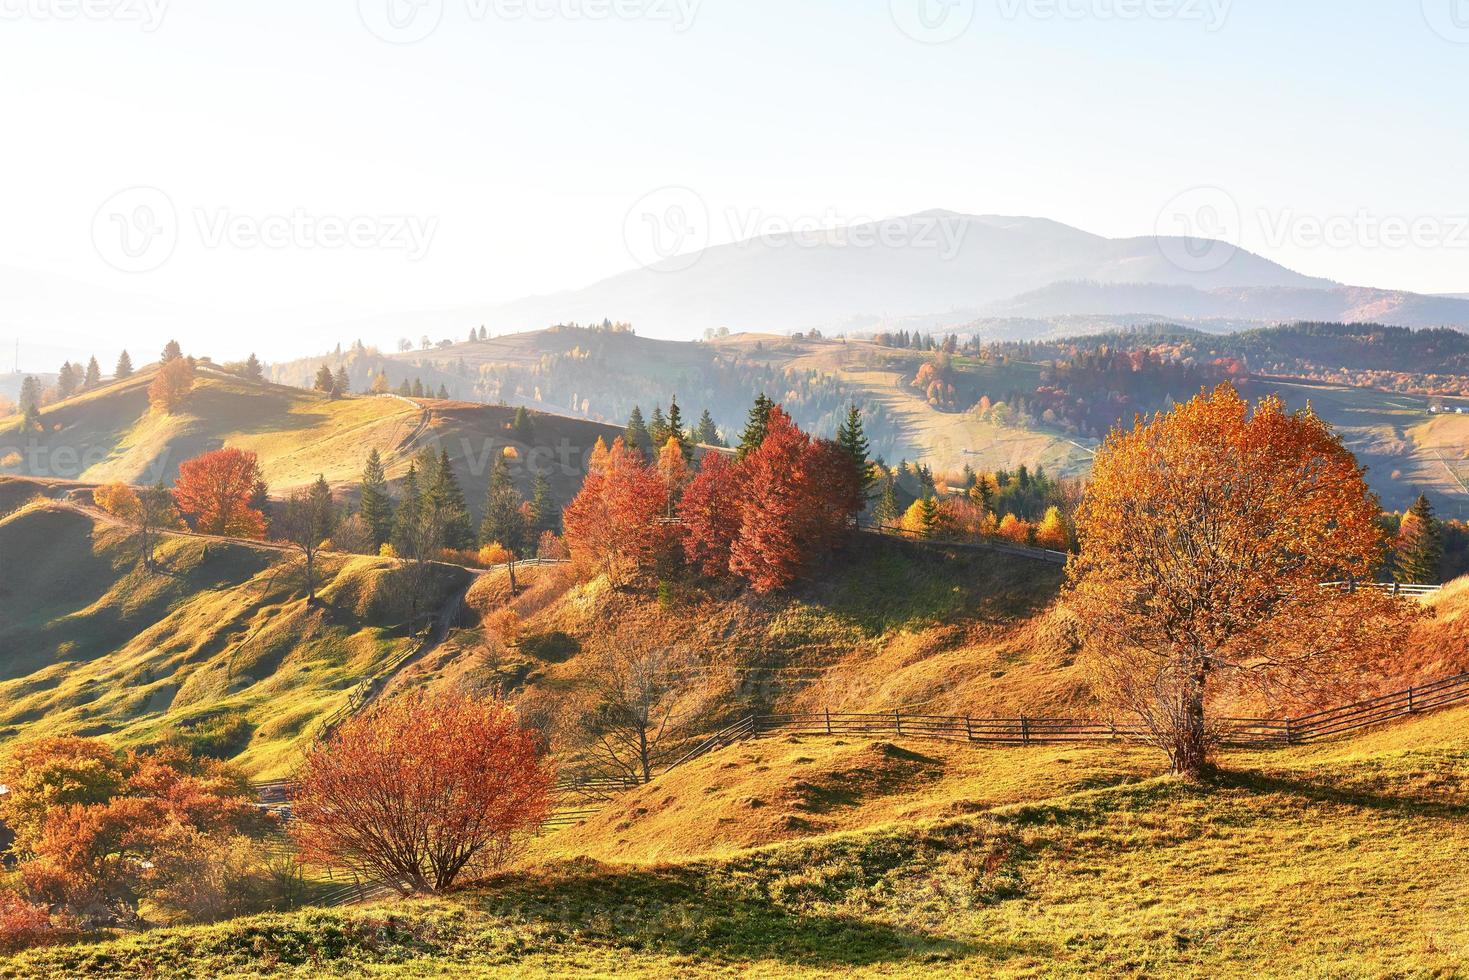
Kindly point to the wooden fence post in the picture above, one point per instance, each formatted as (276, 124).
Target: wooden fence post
(828, 721)
(1024, 730)
(968, 728)
(1411, 708)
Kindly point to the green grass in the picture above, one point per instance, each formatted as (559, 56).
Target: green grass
(219, 650)
(1343, 860)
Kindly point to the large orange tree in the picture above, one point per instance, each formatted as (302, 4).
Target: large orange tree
(1206, 536)
(420, 788)
(216, 489)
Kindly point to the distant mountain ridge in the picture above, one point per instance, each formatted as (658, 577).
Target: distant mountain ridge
(944, 269)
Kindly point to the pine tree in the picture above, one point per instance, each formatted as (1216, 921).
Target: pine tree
(755, 426)
(706, 434)
(417, 388)
(410, 510)
(483, 333)
(253, 370)
(443, 394)
(657, 430)
(404, 389)
(324, 381)
(473, 335)
(124, 367)
(447, 498)
(676, 429)
(636, 434)
(504, 520)
(521, 424)
(171, 352)
(1418, 549)
(544, 515)
(66, 382)
(341, 383)
(377, 503)
(93, 376)
(854, 443)
(886, 513)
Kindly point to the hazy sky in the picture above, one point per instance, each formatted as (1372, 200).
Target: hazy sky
(499, 152)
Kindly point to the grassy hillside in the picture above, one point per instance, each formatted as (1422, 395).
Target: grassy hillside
(219, 648)
(111, 434)
(1340, 854)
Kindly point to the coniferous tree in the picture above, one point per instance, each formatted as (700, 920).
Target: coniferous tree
(418, 388)
(755, 426)
(676, 429)
(636, 434)
(324, 381)
(253, 370)
(1418, 549)
(410, 511)
(405, 389)
(443, 394)
(66, 382)
(93, 377)
(521, 424)
(706, 434)
(657, 430)
(543, 512)
(445, 496)
(124, 367)
(171, 352)
(886, 513)
(854, 443)
(483, 333)
(377, 503)
(341, 383)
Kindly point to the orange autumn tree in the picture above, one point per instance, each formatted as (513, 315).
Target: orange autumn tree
(612, 523)
(172, 385)
(215, 490)
(420, 789)
(1206, 534)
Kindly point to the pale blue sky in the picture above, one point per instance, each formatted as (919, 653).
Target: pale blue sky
(523, 141)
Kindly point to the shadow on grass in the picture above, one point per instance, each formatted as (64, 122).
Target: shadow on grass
(686, 911)
(1340, 796)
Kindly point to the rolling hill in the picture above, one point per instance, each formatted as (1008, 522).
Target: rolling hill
(110, 434)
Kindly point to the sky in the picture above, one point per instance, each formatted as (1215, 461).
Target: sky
(305, 163)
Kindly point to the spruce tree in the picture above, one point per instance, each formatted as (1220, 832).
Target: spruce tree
(676, 429)
(887, 513)
(503, 521)
(853, 442)
(66, 382)
(443, 393)
(171, 352)
(521, 424)
(706, 434)
(636, 434)
(410, 509)
(445, 495)
(404, 389)
(1418, 549)
(417, 388)
(253, 370)
(341, 383)
(124, 367)
(93, 377)
(755, 426)
(657, 430)
(324, 381)
(377, 503)
(543, 510)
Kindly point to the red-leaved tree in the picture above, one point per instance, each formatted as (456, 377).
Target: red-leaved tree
(710, 511)
(771, 546)
(420, 788)
(613, 521)
(215, 490)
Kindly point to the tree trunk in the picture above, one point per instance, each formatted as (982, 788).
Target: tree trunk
(1190, 749)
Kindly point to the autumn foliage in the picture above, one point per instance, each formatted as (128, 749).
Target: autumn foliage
(172, 386)
(1206, 534)
(613, 521)
(215, 489)
(420, 788)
